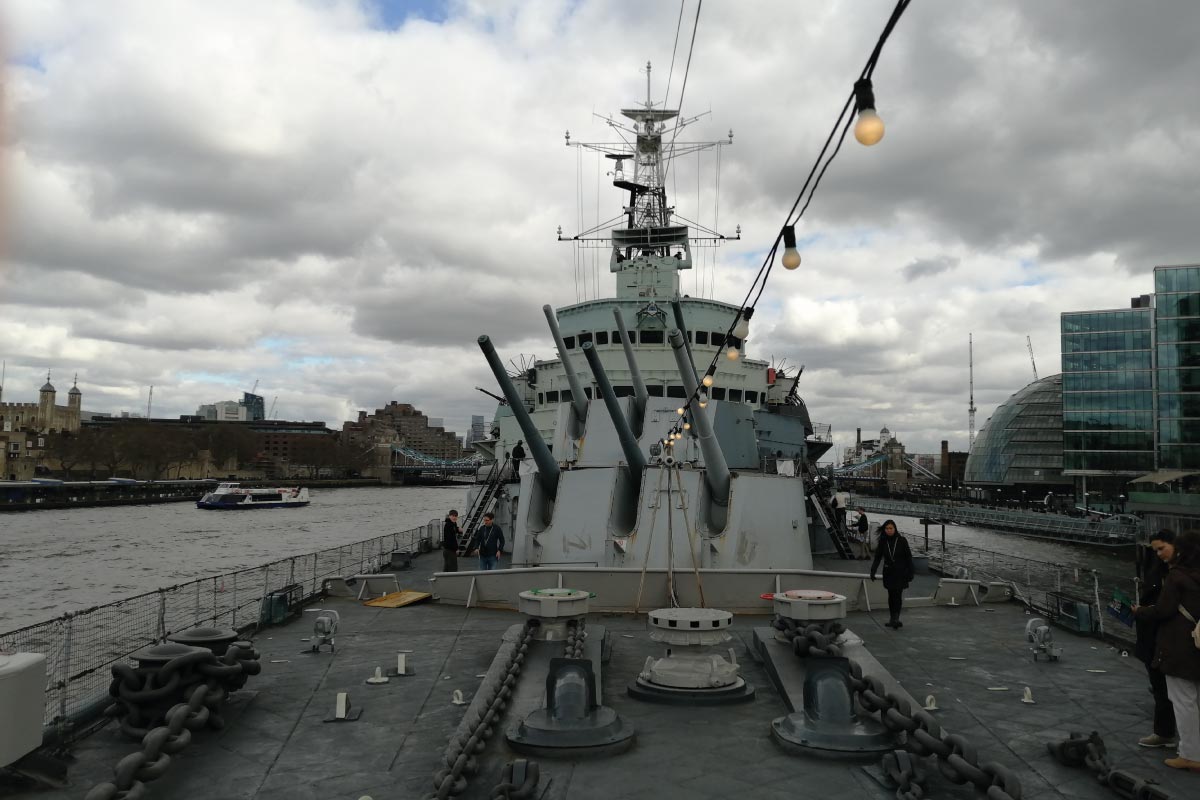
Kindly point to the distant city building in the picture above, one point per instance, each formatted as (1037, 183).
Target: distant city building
(251, 408)
(478, 430)
(402, 425)
(1131, 400)
(1020, 447)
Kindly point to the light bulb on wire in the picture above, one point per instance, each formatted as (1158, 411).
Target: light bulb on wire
(732, 354)
(742, 329)
(708, 381)
(680, 411)
(791, 256)
(687, 426)
(869, 128)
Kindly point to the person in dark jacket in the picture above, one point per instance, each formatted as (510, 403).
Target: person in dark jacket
(864, 533)
(892, 549)
(491, 542)
(450, 532)
(1175, 652)
(518, 455)
(1162, 552)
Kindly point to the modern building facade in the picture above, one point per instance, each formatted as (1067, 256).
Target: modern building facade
(1131, 400)
(1020, 447)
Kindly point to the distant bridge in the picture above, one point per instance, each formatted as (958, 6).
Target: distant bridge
(406, 460)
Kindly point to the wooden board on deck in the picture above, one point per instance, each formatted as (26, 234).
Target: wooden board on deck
(398, 599)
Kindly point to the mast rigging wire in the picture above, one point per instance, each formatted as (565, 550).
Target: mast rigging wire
(683, 90)
(674, 48)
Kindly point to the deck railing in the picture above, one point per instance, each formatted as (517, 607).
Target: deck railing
(82, 646)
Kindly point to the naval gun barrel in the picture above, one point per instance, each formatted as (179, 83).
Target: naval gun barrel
(633, 453)
(716, 468)
(677, 310)
(578, 403)
(635, 374)
(547, 467)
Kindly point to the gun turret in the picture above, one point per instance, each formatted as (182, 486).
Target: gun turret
(629, 445)
(547, 473)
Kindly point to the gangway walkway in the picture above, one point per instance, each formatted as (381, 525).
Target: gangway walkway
(819, 494)
(484, 501)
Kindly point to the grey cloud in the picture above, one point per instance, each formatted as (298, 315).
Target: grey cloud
(926, 267)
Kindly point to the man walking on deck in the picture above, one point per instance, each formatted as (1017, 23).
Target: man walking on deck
(491, 542)
(864, 537)
(518, 454)
(450, 532)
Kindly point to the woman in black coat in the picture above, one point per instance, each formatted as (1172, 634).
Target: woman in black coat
(892, 549)
(1162, 553)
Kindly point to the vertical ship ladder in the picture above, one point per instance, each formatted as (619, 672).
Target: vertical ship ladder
(833, 523)
(483, 503)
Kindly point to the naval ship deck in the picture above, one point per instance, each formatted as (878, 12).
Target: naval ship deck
(276, 744)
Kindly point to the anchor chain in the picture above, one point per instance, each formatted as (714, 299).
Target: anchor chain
(1090, 752)
(509, 789)
(907, 773)
(206, 679)
(459, 759)
(957, 759)
(576, 636)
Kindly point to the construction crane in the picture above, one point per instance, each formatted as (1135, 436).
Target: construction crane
(255, 389)
(150, 401)
(1029, 342)
(971, 402)
(271, 413)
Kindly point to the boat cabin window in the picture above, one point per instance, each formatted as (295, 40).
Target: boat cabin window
(623, 391)
(676, 391)
(717, 393)
(541, 399)
(587, 392)
(735, 395)
(565, 396)
(751, 397)
(551, 397)
(616, 337)
(717, 339)
(701, 337)
(601, 337)
(655, 390)
(584, 338)
(652, 337)
(569, 342)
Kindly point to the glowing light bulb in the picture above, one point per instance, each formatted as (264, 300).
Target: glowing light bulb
(687, 426)
(742, 329)
(680, 411)
(732, 354)
(869, 128)
(704, 404)
(791, 256)
(708, 380)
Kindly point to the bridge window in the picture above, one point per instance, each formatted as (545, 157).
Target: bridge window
(623, 391)
(655, 390)
(751, 397)
(601, 337)
(569, 342)
(652, 337)
(552, 397)
(587, 392)
(616, 337)
(735, 395)
(676, 391)
(717, 393)
(701, 337)
(584, 338)
(541, 400)
(717, 339)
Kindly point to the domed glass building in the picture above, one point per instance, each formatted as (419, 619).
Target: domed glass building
(1021, 445)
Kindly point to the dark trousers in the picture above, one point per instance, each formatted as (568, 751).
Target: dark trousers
(895, 602)
(1164, 713)
(449, 561)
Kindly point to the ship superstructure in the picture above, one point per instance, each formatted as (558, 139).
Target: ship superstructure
(610, 455)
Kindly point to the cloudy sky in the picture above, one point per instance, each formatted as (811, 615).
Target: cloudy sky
(335, 197)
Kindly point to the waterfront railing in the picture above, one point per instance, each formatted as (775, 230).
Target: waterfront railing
(81, 646)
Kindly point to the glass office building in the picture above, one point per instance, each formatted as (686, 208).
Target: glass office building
(1177, 329)
(1131, 391)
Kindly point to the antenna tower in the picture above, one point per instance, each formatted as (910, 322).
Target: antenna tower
(971, 402)
(150, 401)
(1029, 342)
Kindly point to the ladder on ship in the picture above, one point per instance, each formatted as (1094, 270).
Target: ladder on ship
(483, 503)
(833, 522)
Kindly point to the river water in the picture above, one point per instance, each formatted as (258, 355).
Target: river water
(55, 561)
(63, 560)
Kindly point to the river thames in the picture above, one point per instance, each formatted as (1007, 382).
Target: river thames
(63, 560)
